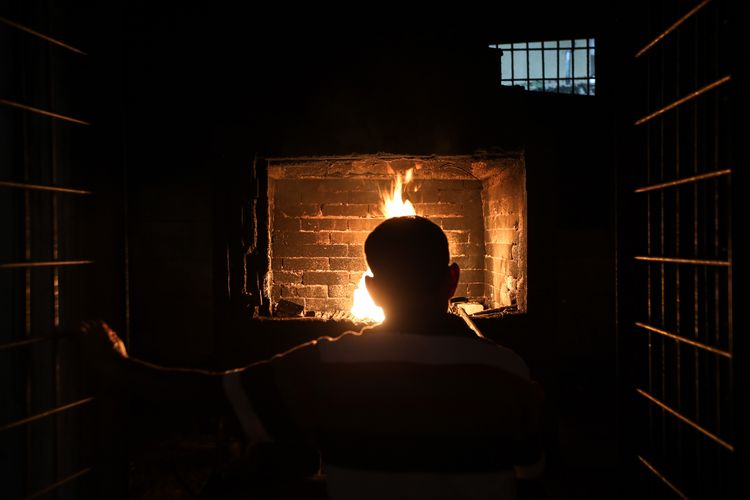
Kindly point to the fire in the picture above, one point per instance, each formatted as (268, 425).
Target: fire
(364, 309)
(394, 205)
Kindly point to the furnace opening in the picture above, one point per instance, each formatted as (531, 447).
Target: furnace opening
(321, 211)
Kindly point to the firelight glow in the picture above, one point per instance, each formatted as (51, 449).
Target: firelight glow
(394, 205)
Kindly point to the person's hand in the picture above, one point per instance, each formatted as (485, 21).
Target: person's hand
(100, 345)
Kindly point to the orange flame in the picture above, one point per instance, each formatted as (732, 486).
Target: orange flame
(394, 205)
(364, 308)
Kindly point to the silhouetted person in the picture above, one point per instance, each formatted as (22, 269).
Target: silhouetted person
(416, 407)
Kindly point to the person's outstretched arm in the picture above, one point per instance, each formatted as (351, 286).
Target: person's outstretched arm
(278, 391)
(106, 354)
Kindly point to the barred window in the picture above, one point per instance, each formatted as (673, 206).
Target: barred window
(560, 66)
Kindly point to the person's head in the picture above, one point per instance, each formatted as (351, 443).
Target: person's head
(410, 263)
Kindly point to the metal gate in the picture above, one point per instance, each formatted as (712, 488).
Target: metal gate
(680, 336)
(43, 408)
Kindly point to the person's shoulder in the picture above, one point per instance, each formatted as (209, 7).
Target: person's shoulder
(348, 344)
(342, 339)
(345, 336)
(507, 359)
(313, 346)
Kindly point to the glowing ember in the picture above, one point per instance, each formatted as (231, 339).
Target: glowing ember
(394, 205)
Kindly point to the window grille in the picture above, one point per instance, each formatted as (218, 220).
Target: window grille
(559, 66)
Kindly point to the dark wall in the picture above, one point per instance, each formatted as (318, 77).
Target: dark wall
(206, 90)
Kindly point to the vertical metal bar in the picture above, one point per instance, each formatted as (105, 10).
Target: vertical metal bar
(557, 49)
(528, 68)
(696, 245)
(649, 272)
(676, 250)
(717, 273)
(56, 466)
(649, 248)
(726, 385)
(717, 204)
(588, 64)
(544, 72)
(573, 66)
(662, 249)
(653, 422)
(27, 292)
(705, 240)
(729, 245)
(730, 304)
(717, 306)
(650, 243)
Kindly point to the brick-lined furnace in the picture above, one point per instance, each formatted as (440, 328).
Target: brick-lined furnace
(321, 211)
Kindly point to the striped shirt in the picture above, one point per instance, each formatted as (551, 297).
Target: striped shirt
(399, 414)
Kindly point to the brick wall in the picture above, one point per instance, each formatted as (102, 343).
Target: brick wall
(318, 230)
(456, 206)
(322, 212)
(504, 207)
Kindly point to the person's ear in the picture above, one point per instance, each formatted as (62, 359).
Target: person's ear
(374, 290)
(454, 273)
